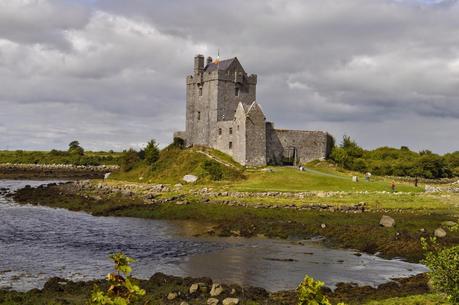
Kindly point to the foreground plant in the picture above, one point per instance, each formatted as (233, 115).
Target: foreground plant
(122, 290)
(444, 268)
(310, 293)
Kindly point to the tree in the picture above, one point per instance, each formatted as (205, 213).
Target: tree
(151, 152)
(75, 148)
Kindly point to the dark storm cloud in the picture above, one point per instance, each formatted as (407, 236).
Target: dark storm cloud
(111, 72)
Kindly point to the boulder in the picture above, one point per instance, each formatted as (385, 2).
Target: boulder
(172, 296)
(194, 288)
(431, 189)
(212, 301)
(231, 301)
(216, 290)
(190, 178)
(440, 233)
(387, 221)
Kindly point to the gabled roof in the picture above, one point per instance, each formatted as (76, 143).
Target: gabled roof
(222, 65)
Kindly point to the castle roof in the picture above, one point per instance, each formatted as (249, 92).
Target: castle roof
(222, 65)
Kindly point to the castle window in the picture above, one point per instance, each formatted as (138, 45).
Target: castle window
(230, 145)
(200, 91)
(237, 127)
(231, 130)
(236, 91)
(199, 115)
(219, 131)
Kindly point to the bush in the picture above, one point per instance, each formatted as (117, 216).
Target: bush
(214, 169)
(122, 289)
(310, 293)
(129, 159)
(444, 269)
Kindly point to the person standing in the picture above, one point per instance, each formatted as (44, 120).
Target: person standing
(416, 181)
(392, 186)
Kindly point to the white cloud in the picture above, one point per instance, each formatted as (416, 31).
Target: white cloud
(112, 73)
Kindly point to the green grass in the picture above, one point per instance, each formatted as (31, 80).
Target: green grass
(174, 163)
(289, 179)
(47, 157)
(422, 299)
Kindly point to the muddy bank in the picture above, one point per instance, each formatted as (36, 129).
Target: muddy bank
(159, 286)
(360, 231)
(56, 171)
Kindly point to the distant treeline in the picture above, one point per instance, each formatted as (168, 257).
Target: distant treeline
(74, 155)
(387, 161)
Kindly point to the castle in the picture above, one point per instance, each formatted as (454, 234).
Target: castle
(222, 113)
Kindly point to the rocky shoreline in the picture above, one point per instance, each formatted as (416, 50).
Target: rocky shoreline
(352, 226)
(170, 290)
(57, 171)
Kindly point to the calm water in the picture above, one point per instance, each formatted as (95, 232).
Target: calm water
(38, 242)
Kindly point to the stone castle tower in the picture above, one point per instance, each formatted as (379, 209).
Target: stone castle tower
(222, 113)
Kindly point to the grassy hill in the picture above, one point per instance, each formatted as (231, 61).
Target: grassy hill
(209, 165)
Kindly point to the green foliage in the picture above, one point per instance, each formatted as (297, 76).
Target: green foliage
(122, 289)
(151, 152)
(386, 161)
(178, 143)
(59, 157)
(444, 268)
(75, 148)
(310, 293)
(129, 160)
(214, 169)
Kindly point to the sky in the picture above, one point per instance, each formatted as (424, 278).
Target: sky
(111, 73)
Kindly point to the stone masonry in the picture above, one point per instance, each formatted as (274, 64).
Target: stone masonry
(222, 113)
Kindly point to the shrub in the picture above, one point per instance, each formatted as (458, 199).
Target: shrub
(310, 293)
(129, 159)
(122, 289)
(444, 268)
(214, 169)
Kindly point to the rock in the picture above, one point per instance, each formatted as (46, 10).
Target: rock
(231, 301)
(216, 290)
(107, 175)
(449, 223)
(178, 186)
(212, 301)
(194, 288)
(184, 303)
(355, 179)
(387, 221)
(172, 296)
(440, 233)
(323, 226)
(267, 170)
(431, 189)
(190, 178)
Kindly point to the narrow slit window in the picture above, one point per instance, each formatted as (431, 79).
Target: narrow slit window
(231, 130)
(236, 91)
(219, 131)
(230, 145)
(199, 115)
(200, 91)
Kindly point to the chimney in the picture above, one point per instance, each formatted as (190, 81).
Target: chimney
(198, 64)
(209, 60)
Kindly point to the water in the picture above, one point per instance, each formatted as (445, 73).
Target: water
(38, 242)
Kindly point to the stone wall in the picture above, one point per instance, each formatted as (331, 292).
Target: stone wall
(308, 145)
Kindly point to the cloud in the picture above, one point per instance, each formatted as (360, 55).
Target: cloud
(112, 73)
